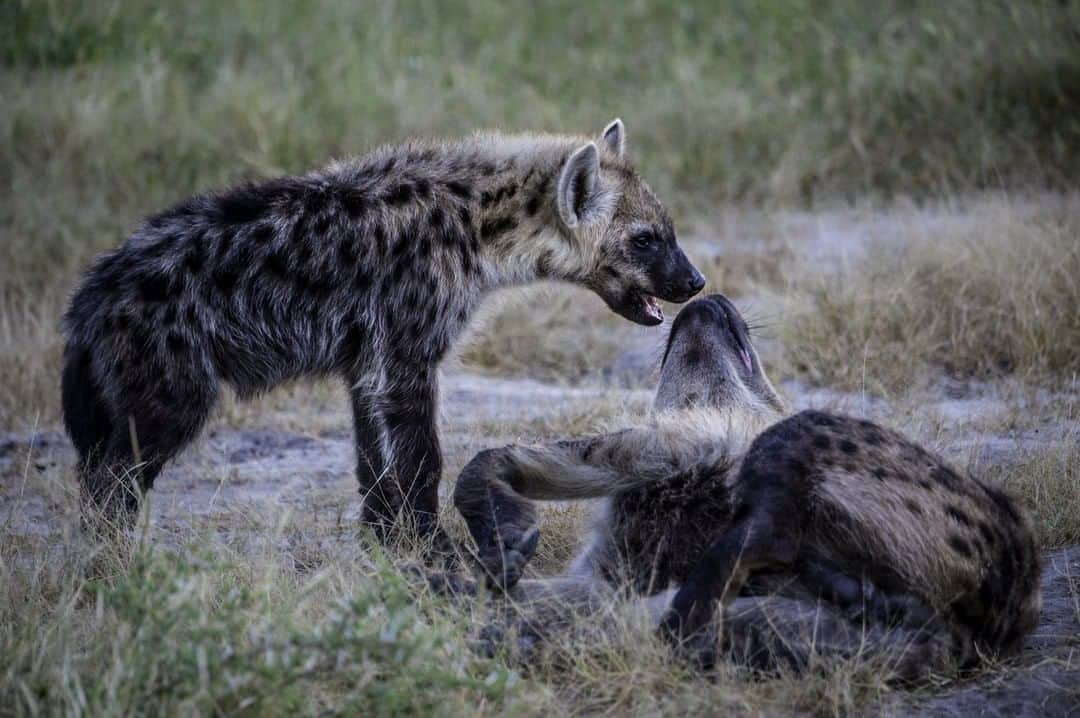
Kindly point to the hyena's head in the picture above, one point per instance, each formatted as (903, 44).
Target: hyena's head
(623, 230)
(710, 362)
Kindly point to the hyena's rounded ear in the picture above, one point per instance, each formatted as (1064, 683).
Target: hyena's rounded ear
(614, 137)
(578, 189)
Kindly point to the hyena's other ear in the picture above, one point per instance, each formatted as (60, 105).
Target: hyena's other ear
(614, 137)
(578, 186)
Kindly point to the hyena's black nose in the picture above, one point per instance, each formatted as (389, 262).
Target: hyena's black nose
(695, 283)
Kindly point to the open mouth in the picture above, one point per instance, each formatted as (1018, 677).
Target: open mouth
(641, 308)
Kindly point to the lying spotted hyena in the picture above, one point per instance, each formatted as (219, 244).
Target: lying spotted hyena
(814, 530)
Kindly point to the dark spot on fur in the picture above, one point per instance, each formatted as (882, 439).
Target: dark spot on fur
(175, 342)
(821, 441)
(459, 189)
(354, 341)
(276, 264)
(536, 199)
(196, 254)
(873, 436)
(544, 264)
(379, 237)
(262, 233)
(362, 280)
(797, 467)
(423, 187)
(848, 446)
(224, 242)
(192, 315)
(492, 228)
(156, 287)
(987, 533)
(226, 278)
(465, 216)
(692, 357)
(437, 218)
(497, 195)
(958, 515)
(913, 507)
(880, 473)
(168, 317)
(400, 194)
(1003, 503)
(246, 204)
(821, 419)
(346, 250)
(354, 202)
(944, 476)
(960, 545)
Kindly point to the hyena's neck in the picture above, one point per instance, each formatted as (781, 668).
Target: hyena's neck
(522, 235)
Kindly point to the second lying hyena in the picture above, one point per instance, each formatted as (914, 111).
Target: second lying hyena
(368, 269)
(720, 496)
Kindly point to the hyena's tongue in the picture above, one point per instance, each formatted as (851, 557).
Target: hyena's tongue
(652, 308)
(745, 355)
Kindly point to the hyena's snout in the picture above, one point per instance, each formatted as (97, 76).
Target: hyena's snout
(680, 281)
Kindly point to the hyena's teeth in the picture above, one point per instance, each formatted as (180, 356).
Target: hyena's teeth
(652, 308)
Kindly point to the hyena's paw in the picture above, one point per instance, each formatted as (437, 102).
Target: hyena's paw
(896, 610)
(520, 640)
(504, 559)
(441, 583)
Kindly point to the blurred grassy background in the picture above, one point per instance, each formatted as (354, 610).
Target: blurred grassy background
(114, 108)
(111, 109)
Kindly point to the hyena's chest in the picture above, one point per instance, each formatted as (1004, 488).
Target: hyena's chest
(659, 531)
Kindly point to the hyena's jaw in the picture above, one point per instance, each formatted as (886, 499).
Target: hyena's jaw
(634, 304)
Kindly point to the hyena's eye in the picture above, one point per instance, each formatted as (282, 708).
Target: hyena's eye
(643, 240)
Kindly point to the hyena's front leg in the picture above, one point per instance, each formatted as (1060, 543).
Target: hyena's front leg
(409, 412)
(378, 490)
(501, 521)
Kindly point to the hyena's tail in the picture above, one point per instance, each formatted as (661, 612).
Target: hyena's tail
(85, 413)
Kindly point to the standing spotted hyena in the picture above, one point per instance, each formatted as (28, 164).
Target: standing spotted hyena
(367, 269)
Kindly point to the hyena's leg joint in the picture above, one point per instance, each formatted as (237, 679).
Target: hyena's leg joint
(501, 521)
(141, 440)
(864, 602)
(757, 540)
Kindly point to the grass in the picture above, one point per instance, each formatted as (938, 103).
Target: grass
(994, 294)
(889, 189)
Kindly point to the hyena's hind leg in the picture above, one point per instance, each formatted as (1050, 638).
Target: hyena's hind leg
(411, 483)
(763, 535)
(777, 633)
(159, 418)
(864, 601)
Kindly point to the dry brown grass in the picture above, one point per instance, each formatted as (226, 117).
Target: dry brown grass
(996, 294)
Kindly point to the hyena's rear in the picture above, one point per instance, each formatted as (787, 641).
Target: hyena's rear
(367, 269)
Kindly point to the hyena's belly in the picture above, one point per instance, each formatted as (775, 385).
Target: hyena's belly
(660, 531)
